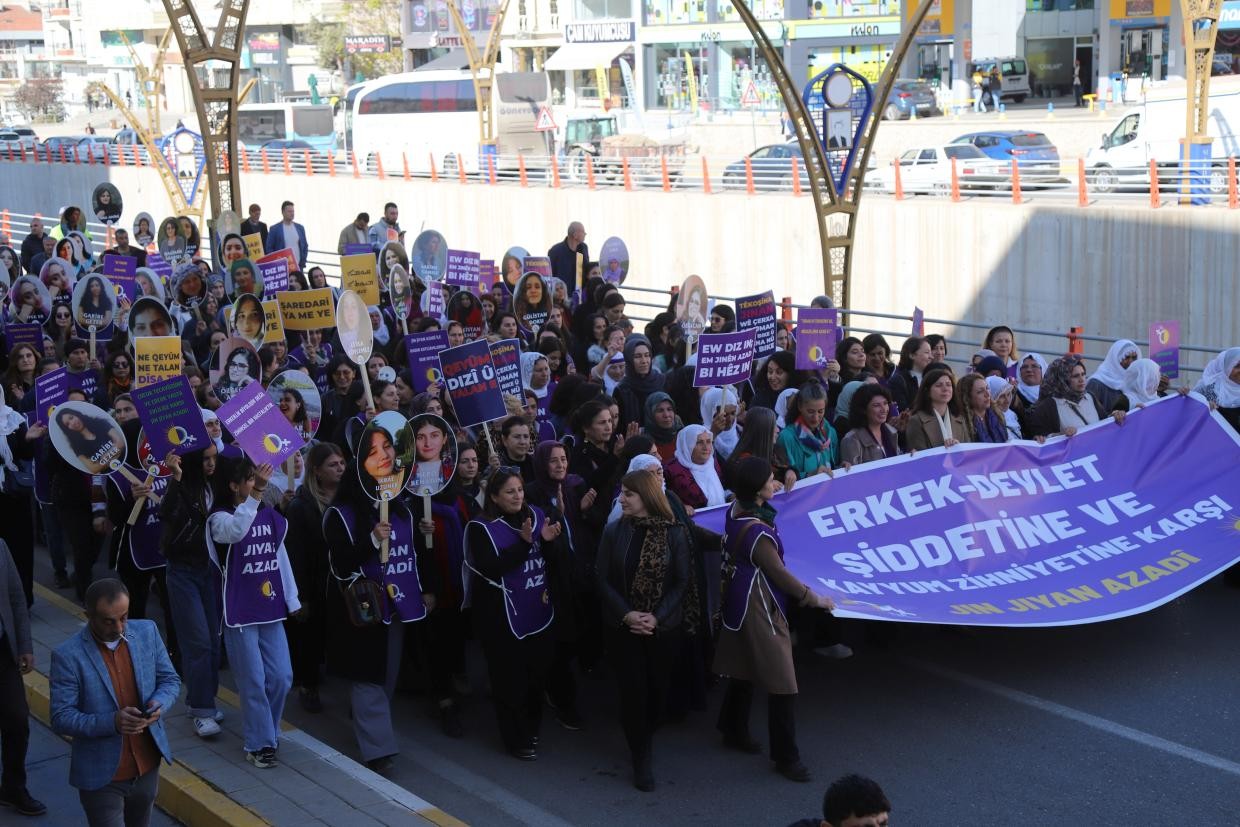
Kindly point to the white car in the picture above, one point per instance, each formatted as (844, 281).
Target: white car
(929, 169)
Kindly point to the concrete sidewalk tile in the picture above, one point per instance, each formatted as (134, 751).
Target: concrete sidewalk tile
(231, 779)
(290, 815)
(342, 815)
(393, 814)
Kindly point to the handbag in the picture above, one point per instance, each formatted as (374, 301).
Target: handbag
(363, 601)
(21, 480)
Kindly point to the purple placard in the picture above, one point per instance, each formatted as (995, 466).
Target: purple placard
(30, 333)
(358, 249)
(258, 426)
(122, 271)
(757, 313)
(463, 268)
(818, 332)
(274, 275)
(1109, 523)
(537, 264)
(1165, 347)
(160, 266)
(170, 417)
(723, 358)
(50, 390)
(506, 357)
(919, 322)
(435, 304)
(486, 275)
(470, 377)
(423, 352)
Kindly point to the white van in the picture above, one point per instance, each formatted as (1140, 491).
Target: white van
(1013, 70)
(1153, 130)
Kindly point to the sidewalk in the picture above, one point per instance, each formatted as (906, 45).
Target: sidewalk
(210, 784)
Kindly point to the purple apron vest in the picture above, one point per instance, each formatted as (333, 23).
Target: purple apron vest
(544, 404)
(142, 538)
(740, 537)
(399, 579)
(253, 590)
(527, 598)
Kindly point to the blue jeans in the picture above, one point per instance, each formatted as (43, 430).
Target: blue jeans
(192, 593)
(259, 659)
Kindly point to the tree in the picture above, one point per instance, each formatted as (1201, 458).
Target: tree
(362, 17)
(41, 98)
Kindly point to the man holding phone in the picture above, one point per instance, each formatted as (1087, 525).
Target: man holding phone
(111, 684)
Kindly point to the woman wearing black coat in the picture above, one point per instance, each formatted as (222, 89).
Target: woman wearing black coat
(642, 573)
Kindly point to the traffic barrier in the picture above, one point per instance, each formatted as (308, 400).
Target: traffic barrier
(331, 164)
(491, 169)
(404, 161)
(434, 172)
(266, 161)
(309, 162)
(555, 172)
(379, 166)
(956, 182)
(1076, 345)
(137, 156)
(1155, 195)
(590, 171)
(245, 160)
(460, 170)
(353, 159)
(705, 176)
(76, 158)
(288, 168)
(785, 308)
(749, 188)
(525, 182)
(62, 154)
(1082, 196)
(5, 223)
(1016, 196)
(628, 175)
(1233, 198)
(120, 155)
(667, 182)
(796, 177)
(90, 157)
(23, 149)
(898, 182)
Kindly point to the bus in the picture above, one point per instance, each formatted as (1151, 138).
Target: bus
(434, 113)
(259, 123)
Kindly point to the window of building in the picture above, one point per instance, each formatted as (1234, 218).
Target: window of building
(603, 9)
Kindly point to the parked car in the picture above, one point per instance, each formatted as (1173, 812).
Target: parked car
(772, 168)
(909, 96)
(1032, 150)
(929, 170)
(10, 143)
(87, 146)
(296, 149)
(28, 138)
(1013, 70)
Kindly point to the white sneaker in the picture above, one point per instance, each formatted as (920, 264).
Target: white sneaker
(206, 727)
(836, 651)
(218, 715)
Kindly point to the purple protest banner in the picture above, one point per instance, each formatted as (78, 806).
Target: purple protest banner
(31, 333)
(757, 313)
(723, 358)
(255, 421)
(50, 389)
(486, 275)
(818, 333)
(506, 357)
(537, 264)
(170, 417)
(470, 377)
(435, 305)
(1108, 523)
(1165, 347)
(160, 266)
(919, 322)
(463, 268)
(273, 275)
(122, 270)
(423, 352)
(357, 249)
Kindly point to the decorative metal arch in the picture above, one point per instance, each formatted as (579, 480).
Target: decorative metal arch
(836, 210)
(482, 67)
(1200, 35)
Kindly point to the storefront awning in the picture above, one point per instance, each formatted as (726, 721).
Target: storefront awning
(584, 56)
(455, 59)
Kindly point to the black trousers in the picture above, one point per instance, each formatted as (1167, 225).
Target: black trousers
(643, 666)
(84, 544)
(17, 531)
(435, 645)
(140, 584)
(518, 671)
(307, 644)
(14, 722)
(780, 719)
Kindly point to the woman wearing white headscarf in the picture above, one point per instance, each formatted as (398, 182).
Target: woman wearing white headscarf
(781, 407)
(695, 474)
(720, 416)
(1220, 385)
(532, 379)
(1107, 383)
(641, 462)
(1001, 394)
(1141, 383)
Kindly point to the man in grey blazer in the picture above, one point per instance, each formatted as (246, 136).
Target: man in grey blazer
(111, 684)
(16, 659)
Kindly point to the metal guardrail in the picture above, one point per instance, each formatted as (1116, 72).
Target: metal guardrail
(1205, 183)
(857, 322)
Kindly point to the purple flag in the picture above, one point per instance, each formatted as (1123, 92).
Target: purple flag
(757, 313)
(723, 358)
(170, 417)
(50, 390)
(31, 333)
(919, 322)
(253, 419)
(423, 352)
(506, 357)
(1111, 522)
(1165, 347)
(122, 271)
(471, 381)
(818, 333)
(463, 268)
(274, 275)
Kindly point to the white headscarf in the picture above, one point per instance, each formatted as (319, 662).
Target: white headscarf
(609, 384)
(1217, 375)
(1111, 372)
(528, 360)
(641, 462)
(1141, 382)
(704, 475)
(781, 407)
(381, 333)
(998, 386)
(1030, 393)
(208, 416)
(712, 401)
(10, 421)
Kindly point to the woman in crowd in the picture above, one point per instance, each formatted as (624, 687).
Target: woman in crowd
(719, 409)
(871, 437)
(19, 378)
(594, 458)
(808, 439)
(640, 380)
(1141, 380)
(1220, 385)
(117, 378)
(878, 357)
(1028, 383)
(695, 473)
(851, 355)
(938, 348)
(761, 439)
(60, 328)
(511, 610)
(1001, 341)
(642, 573)
(1002, 394)
(915, 357)
(777, 375)
(504, 325)
(755, 647)
(1064, 405)
(722, 319)
(662, 424)
(536, 378)
(936, 421)
(1107, 383)
(984, 423)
